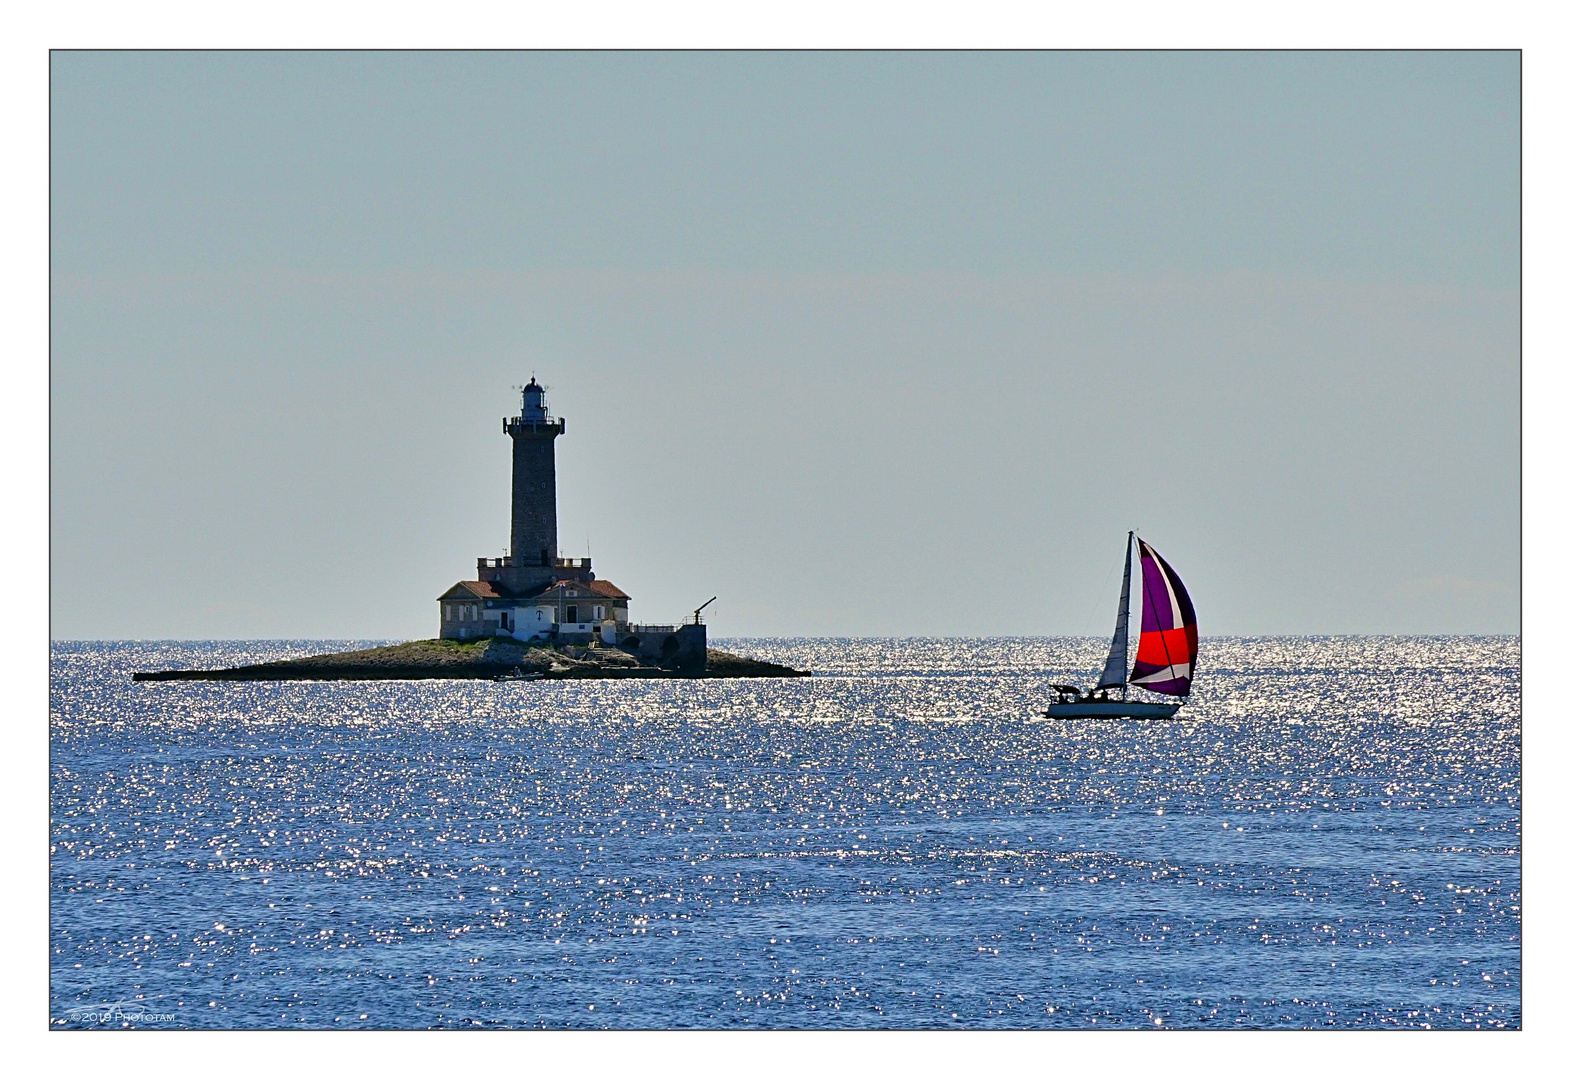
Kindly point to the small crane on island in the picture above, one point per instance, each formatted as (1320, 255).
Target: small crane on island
(701, 607)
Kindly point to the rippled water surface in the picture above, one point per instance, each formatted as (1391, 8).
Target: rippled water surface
(1328, 834)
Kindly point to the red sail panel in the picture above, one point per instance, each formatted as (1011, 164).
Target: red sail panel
(1169, 636)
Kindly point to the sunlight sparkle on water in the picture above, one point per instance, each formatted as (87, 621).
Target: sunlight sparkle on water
(1327, 835)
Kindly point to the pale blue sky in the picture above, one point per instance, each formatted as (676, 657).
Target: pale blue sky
(865, 343)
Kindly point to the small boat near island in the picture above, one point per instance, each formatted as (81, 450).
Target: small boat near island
(1165, 661)
(518, 675)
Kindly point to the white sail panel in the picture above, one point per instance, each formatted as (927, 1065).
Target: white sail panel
(1116, 671)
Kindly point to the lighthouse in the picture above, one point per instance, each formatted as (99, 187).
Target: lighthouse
(534, 431)
(534, 594)
(532, 563)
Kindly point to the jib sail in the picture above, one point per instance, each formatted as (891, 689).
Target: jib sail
(1117, 666)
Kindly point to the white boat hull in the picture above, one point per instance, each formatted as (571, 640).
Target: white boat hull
(1111, 710)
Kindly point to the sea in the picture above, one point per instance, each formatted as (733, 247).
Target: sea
(1327, 835)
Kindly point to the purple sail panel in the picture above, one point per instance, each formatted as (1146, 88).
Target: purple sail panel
(1169, 637)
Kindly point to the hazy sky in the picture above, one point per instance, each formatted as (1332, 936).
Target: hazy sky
(864, 343)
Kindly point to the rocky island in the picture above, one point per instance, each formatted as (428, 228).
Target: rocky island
(486, 658)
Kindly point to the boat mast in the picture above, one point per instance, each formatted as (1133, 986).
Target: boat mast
(1129, 571)
(1116, 671)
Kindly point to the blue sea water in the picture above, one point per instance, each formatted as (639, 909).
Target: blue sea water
(1327, 835)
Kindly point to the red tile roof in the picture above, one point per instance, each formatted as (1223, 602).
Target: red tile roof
(598, 587)
(601, 587)
(486, 590)
(482, 590)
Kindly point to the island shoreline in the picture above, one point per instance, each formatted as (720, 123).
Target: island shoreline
(495, 659)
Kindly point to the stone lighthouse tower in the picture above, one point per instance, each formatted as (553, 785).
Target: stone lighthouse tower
(534, 432)
(534, 563)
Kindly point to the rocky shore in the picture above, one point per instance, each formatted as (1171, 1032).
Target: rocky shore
(487, 658)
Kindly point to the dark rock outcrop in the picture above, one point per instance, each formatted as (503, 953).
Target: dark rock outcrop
(724, 665)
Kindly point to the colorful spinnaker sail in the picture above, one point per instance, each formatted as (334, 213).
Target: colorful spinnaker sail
(1169, 638)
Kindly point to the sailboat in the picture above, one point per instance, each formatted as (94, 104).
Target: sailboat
(1165, 662)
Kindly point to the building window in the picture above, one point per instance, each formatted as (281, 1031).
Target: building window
(599, 612)
(572, 613)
